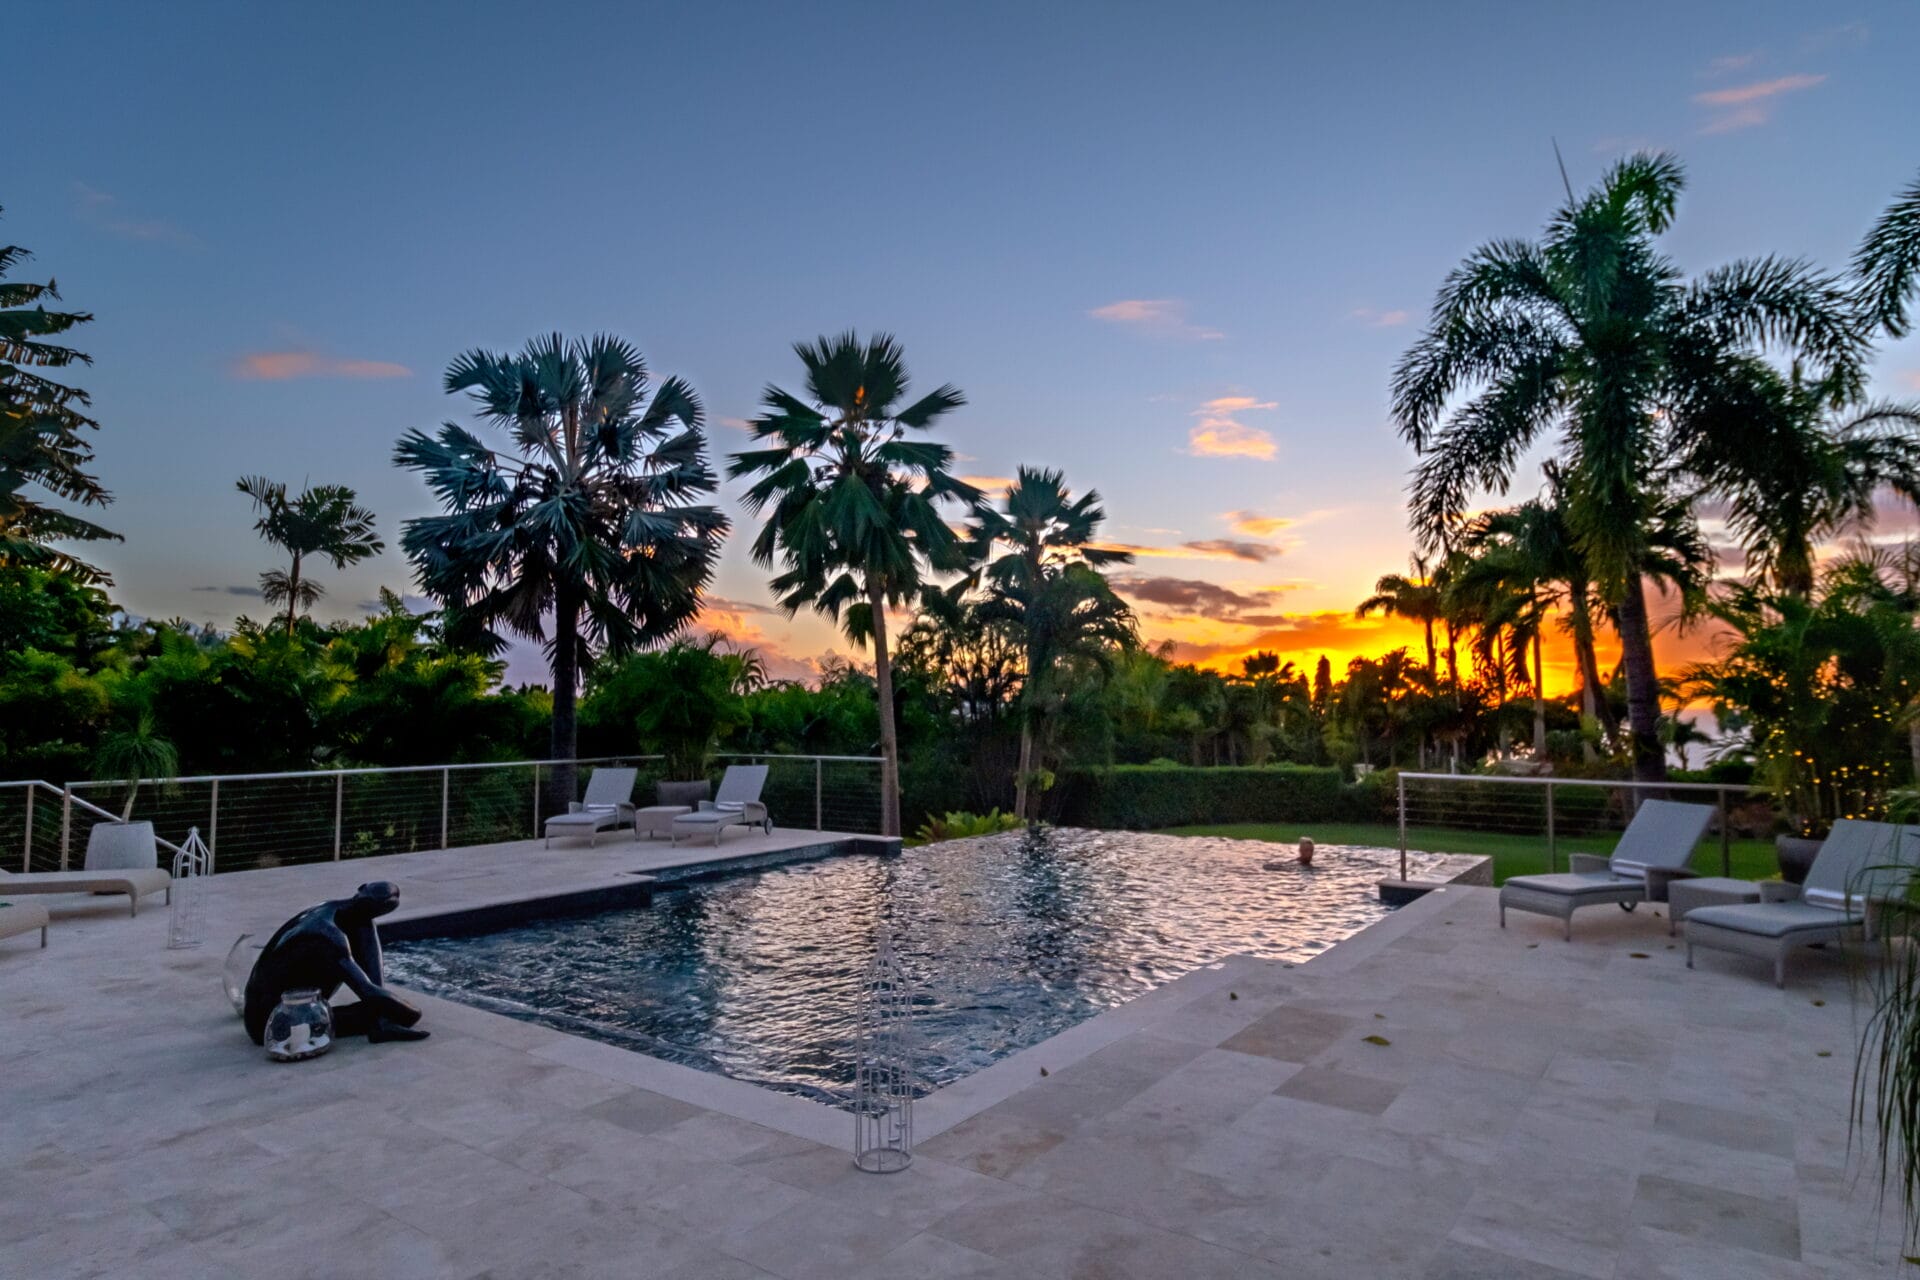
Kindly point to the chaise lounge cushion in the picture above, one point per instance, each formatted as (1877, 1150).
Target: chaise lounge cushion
(1772, 919)
(132, 881)
(1575, 884)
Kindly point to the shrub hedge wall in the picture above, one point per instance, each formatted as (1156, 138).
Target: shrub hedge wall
(1146, 796)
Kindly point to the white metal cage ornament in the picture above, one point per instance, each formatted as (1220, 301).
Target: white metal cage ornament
(191, 867)
(883, 1066)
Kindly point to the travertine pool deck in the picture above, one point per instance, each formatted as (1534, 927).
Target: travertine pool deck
(1539, 1109)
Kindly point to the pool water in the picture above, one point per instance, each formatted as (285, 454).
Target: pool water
(1006, 940)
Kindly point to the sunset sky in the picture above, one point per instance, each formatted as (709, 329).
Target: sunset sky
(1174, 250)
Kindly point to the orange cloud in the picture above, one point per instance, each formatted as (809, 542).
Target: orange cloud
(1225, 438)
(281, 366)
(1221, 435)
(992, 484)
(1199, 549)
(1256, 526)
(1746, 105)
(1164, 316)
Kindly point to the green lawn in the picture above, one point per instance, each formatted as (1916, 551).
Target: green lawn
(1513, 855)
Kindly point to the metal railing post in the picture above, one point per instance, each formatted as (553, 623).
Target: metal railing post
(536, 802)
(819, 822)
(1553, 857)
(1727, 835)
(446, 787)
(26, 854)
(1401, 781)
(213, 824)
(66, 826)
(339, 794)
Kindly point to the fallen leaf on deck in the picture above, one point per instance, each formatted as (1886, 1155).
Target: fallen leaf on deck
(1377, 1040)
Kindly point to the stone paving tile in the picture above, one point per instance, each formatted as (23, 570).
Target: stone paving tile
(1341, 1089)
(1710, 1214)
(1290, 1034)
(1742, 1130)
(1455, 1261)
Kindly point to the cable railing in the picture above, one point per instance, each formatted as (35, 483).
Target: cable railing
(258, 820)
(1581, 814)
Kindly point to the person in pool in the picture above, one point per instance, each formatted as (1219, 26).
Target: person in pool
(327, 947)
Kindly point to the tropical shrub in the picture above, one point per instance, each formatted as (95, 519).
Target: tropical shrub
(959, 825)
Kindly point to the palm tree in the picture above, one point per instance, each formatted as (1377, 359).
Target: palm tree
(41, 426)
(1592, 334)
(1797, 464)
(324, 520)
(853, 503)
(1887, 263)
(1045, 529)
(592, 517)
(1417, 599)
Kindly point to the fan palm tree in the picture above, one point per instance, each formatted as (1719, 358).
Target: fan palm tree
(1592, 335)
(1044, 529)
(324, 520)
(1887, 264)
(853, 502)
(591, 518)
(41, 426)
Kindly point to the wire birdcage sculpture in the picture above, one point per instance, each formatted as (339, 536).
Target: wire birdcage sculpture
(187, 918)
(883, 1066)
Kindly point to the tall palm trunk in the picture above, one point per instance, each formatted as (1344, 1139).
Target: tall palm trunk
(1539, 703)
(1432, 670)
(1643, 683)
(1593, 696)
(889, 733)
(563, 742)
(293, 593)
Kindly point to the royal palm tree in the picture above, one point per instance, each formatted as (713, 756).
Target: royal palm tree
(853, 503)
(324, 520)
(42, 426)
(1887, 263)
(591, 518)
(1043, 528)
(1592, 335)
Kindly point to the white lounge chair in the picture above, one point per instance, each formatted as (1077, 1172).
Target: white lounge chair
(23, 917)
(737, 804)
(608, 803)
(1860, 863)
(1661, 837)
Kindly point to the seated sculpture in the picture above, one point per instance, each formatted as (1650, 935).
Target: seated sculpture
(324, 948)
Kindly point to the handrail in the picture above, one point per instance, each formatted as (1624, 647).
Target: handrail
(70, 799)
(1719, 790)
(1552, 780)
(362, 770)
(356, 771)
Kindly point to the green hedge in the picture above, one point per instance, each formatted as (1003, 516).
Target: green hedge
(1148, 797)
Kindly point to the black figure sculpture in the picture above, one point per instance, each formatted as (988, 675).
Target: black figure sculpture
(324, 947)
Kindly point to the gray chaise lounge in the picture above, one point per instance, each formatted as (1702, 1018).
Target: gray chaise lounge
(23, 917)
(737, 804)
(1861, 862)
(135, 882)
(609, 803)
(1660, 837)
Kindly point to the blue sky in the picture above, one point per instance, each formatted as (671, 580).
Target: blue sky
(1174, 250)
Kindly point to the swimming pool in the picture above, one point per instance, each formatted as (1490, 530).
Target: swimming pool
(1007, 940)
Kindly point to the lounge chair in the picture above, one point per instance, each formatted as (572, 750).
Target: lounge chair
(737, 804)
(608, 804)
(135, 882)
(1860, 863)
(1661, 837)
(23, 917)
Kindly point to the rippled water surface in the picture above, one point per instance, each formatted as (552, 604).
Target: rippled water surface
(1008, 940)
